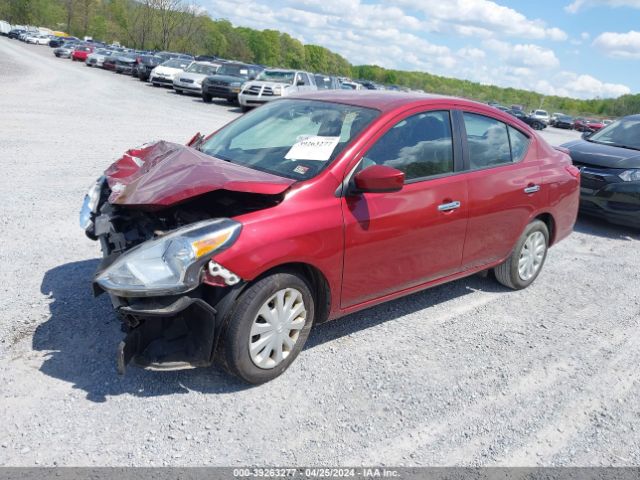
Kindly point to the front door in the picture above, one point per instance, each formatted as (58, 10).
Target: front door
(394, 241)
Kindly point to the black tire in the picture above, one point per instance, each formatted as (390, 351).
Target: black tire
(244, 108)
(235, 338)
(538, 126)
(206, 98)
(507, 272)
(231, 100)
(142, 79)
(179, 92)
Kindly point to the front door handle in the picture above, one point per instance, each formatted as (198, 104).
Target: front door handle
(532, 189)
(447, 207)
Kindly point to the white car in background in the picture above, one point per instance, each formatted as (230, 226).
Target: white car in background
(164, 73)
(272, 84)
(190, 81)
(541, 115)
(97, 58)
(347, 85)
(37, 39)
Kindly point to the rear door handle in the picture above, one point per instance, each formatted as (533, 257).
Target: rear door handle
(532, 189)
(446, 207)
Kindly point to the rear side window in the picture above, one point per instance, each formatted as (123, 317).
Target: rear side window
(420, 146)
(519, 144)
(488, 141)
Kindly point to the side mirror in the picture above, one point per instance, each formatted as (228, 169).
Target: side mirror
(379, 179)
(587, 133)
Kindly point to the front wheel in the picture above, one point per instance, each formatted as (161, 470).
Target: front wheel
(206, 98)
(525, 262)
(268, 327)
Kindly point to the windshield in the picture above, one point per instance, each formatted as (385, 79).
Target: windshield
(565, 118)
(202, 68)
(280, 76)
(623, 133)
(177, 63)
(290, 138)
(541, 112)
(234, 70)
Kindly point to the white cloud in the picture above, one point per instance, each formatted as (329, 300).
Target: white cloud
(622, 45)
(393, 36)
(482, 18)
(577, 5)
(523, 55)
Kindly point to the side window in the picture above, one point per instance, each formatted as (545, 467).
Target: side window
(488, 141)
(519, 144)
(420, 146)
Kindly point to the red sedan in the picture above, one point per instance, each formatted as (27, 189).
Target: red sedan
(81, 53)
(310, 208)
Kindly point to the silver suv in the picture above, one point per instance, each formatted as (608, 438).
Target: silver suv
(272, 84)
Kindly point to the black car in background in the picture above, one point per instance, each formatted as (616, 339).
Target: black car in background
(143, 66)
(532, 122)
(563, 121)
(327, 82)
(609, 162)
(15, 33)
(228, 80)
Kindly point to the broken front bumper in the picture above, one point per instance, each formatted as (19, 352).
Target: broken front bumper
(168, 334)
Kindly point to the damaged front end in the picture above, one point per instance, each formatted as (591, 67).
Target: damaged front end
(159, 247)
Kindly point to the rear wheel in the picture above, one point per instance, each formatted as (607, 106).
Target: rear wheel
(244, 108)
(206, 98)
(268, 327)
(525, 262)
(179, 92)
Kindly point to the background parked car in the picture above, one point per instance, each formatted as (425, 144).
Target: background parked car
(124, 63)
(190, 81)
(15, 33)
(97, 58)
(609, 162)
(541, 115)
(532, 122)
(143, 66)
(164, 73)
(563, 121)
(327, 82)
(274, 83)
(80, 53)
(228, 81)
(348, 85)
(64, 51)
(554, 116)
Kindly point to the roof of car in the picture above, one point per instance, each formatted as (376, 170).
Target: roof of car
(380, 100)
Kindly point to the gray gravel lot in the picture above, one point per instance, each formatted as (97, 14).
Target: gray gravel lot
(463, 374)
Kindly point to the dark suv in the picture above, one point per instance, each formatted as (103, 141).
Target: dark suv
(143, 66)
(226, 83)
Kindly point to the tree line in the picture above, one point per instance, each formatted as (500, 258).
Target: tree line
(182, 25)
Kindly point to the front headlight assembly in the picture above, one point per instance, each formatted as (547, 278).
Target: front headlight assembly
(171, 264)
(90, 203)
(632, 175)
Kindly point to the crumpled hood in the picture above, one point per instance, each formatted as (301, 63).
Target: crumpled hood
(163, 174)
(592, 153)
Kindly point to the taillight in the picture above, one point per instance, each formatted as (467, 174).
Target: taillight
(573, 171)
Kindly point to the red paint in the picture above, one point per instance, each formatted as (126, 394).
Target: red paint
(371, 247)
(81, 54)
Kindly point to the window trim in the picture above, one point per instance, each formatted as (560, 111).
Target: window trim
(455, 143)
(465, 145)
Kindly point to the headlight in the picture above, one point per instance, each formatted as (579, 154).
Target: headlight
(171, 264)
(630, 175)
(277, 90)
(90, 203)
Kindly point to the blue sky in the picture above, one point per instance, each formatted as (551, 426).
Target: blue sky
(576, 48)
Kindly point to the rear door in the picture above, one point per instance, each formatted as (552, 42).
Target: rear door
(395, 241)
(504, 184)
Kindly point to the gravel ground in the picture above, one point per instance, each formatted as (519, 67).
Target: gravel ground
(463, 374)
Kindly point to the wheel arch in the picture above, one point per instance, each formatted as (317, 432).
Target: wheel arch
(317, 281)
(550, 222)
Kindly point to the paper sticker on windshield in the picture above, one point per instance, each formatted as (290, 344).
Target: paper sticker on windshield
(313, 147)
